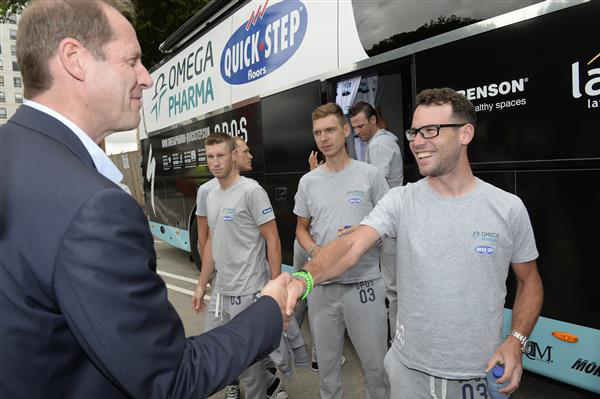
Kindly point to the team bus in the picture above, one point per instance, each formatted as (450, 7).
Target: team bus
(257, 69)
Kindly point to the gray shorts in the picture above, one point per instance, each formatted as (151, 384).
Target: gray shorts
(414, 384)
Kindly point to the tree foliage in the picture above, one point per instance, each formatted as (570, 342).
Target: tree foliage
(156, 20)
(8, 7)
(432, 28)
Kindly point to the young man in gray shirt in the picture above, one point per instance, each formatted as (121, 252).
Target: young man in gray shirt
(457, 236)
(384, 153)
(242, 230)
(339, 193)
(243, 162)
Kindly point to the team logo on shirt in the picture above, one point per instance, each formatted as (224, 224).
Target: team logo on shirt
(267, 210)
(489, 236)
(355, 196)
(485, 250)
(228, 214)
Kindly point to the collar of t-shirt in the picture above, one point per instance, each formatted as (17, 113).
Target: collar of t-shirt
(101, 161)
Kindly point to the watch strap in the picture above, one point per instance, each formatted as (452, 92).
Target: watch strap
(522, 338)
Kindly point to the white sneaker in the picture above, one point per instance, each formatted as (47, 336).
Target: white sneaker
(232, 392)
(276, 390)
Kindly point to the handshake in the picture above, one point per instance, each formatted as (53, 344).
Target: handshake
(286, 291)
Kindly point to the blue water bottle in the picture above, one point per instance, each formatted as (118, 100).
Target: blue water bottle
(493, 388)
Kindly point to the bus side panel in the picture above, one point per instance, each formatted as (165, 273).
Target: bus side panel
(281, 190)
(532, 83)
(574, 363)
(288, 141)
(538, 136)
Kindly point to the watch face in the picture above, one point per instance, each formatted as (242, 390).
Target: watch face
(527, 347)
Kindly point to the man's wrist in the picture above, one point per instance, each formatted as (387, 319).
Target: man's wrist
(520, 339)
(307, 278)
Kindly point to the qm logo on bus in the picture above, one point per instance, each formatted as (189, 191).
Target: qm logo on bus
(265, 42)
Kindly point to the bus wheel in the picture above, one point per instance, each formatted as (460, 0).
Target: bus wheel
(194, 245)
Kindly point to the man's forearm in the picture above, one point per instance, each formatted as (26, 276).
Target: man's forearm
(528, 304)
(274, 257)
(208, 266)
(334, 259)
(305, 239)
(201, 247)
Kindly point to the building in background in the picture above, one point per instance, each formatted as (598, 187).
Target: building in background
(11, 83)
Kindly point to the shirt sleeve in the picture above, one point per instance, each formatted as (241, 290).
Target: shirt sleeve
(523, 239)
(260, 207)
(384, 217)
(201, 201)
(300, 205)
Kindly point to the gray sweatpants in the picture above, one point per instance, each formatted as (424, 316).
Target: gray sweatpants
(388, 270)
(255, 379)
(414, 384)
(359, 308)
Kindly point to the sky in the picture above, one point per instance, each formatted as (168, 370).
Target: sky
(120, 142)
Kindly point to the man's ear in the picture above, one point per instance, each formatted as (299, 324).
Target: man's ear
(346, 129)
(466, 134)
(73, 57)
(373, 120)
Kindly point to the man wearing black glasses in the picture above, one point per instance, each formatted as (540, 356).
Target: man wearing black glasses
(456, 237)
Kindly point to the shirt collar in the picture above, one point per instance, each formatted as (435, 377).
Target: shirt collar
(101, 161)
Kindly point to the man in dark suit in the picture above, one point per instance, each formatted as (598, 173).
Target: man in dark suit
(82, 312)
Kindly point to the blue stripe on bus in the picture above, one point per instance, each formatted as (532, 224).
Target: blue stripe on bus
(574, 363)
(178, 238)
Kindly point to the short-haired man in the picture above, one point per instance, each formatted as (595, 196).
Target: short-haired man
(457, 236)
(338, 193)
(243, 162)
(383, 153)
(84, 315)
(242, 229)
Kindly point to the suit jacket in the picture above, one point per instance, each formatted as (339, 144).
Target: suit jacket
(83, 313)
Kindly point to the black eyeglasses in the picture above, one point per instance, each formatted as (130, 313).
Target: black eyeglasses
(429, 131)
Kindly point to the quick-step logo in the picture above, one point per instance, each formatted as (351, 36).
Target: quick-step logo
(265, 42)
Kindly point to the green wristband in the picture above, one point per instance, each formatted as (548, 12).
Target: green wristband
(308, 280)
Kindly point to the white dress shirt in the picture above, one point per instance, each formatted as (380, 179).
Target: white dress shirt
(102, 162)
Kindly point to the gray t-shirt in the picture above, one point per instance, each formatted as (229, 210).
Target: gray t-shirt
(334, 199)
(452, 261)
(201, 195)
(383, 152)
(238, 248)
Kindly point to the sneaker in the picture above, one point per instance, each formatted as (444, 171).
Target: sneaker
(314, 366)
(276, 390)
(232, 392)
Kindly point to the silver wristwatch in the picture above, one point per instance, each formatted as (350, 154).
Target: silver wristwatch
(525, 343)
